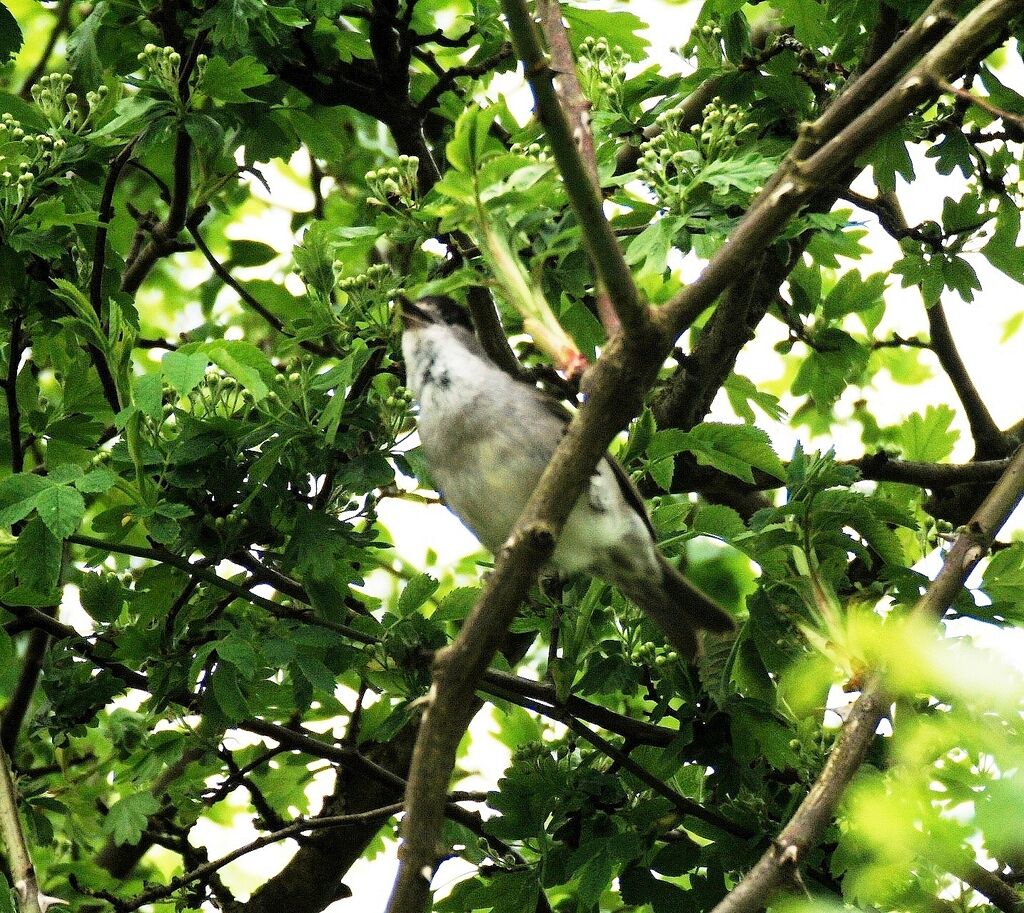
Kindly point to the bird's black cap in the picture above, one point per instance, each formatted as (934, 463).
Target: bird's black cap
(434, 309)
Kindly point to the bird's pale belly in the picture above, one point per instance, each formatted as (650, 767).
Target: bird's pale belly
(488, 495)
(502, 482)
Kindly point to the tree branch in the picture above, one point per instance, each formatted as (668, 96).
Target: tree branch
(24, 874)
(818, 808)
(1000, 894)
(598, 237)
(164, 236)
(247, 298)
(989, 441)
(576, 107)
(299, 826)
(17, 707)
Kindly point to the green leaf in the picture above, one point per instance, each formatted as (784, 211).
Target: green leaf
(456, 604)
(315, 672)
(1003, 579)
(734, 449)
(38, 557)
(228, 81)
(102, 596)
(228, 694)
(889, 157)
(417, 591)
(250, 253)
(836, 361)
(236, 650)
(852, 293)
(929, 437)
(472, 136)
(11, 37)
(810, 20)
(676, 858)
(618, 28)
(61, 508)
(6, 896)
(147, 395)
(244, 362)
(746, 172)
(184, 372)
(127, 819)
(651, 247)
(132, 114)
(719, 521)
(18, 495)
(1002, 250)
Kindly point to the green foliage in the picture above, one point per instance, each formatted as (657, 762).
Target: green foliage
(207, 212)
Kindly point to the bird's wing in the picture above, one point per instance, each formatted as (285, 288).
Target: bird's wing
(629, 491)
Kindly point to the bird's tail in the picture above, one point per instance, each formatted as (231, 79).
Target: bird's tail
(679, 609)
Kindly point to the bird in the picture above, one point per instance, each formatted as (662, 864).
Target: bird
(487, 437)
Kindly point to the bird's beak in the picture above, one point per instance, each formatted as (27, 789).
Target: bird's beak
(413, 316)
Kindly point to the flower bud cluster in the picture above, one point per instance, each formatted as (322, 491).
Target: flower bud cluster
(671, 160)
(31, 158)
(531, 150)
(394, 187)
(363, 300)
(650, 654)
(62, 107)
(220, 395)
(705, 43)
(602, 70)
(163, 65)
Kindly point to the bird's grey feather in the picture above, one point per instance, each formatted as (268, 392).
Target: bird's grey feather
(488, 437)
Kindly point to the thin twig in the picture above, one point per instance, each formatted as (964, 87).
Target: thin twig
(248, 299)
(299, 826)
(14, 354)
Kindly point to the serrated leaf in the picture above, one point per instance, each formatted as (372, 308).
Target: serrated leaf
(96, 481)
(719, 521)
(11, 37)
(929, 437)
(228, 694)
(61, 508)
(417, 591)
(102, 596)
(147, 394)
(676, 858)
(456, 604)
(127, 819)
(239, 652)
(228, 81)
(184, 372)
(316, 673)
(38, 557)
(244, 362)
(734, 449)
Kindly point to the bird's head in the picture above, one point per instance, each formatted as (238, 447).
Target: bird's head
(433, 310)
